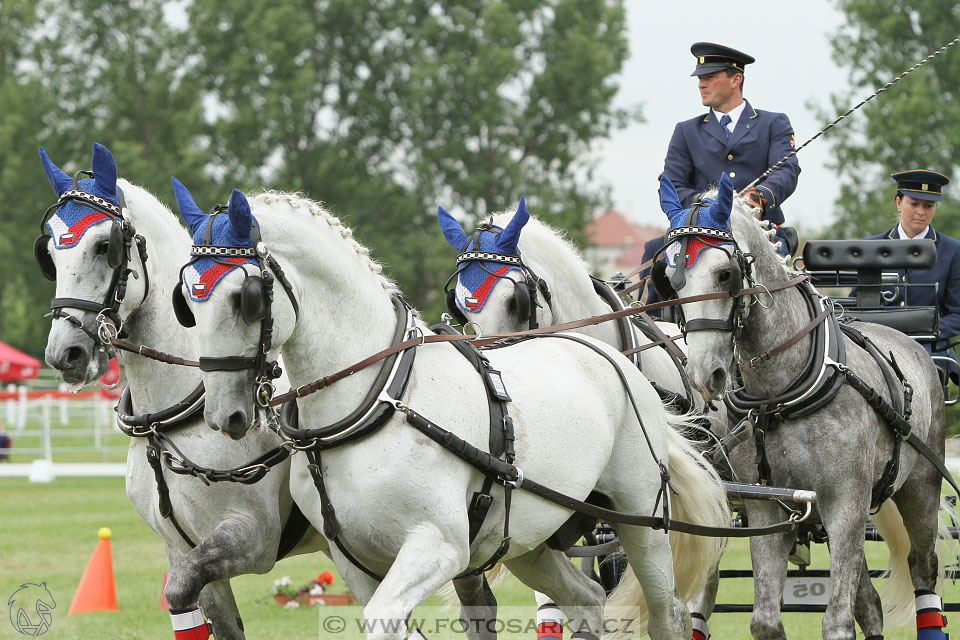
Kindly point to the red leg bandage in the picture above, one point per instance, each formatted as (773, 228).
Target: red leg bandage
(190, 625)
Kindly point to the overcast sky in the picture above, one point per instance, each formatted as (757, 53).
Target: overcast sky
(789, 39)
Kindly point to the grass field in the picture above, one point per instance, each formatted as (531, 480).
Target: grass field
(49, 531)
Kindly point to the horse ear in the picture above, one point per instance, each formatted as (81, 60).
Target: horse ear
(451, 229)
(189, 211)
(58, 179)
(670, 201)
(104, 169)
(509, 238)
(721, 209)
(241, 218)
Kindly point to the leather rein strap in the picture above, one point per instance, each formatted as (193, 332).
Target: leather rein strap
(326, 381)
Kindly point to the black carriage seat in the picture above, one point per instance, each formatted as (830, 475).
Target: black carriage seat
(920, 323)
(869, 265)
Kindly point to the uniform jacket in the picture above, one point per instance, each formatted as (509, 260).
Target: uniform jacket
(700, 151)
(946, 274)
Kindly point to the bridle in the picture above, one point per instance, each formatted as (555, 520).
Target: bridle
(122, 236)
(256, 304)
(741, 271)
(525, 291)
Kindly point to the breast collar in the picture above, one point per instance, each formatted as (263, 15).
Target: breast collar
(378, 404)
(819, 381)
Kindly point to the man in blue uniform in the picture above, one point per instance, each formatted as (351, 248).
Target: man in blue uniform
(732, 138)
(918, 193)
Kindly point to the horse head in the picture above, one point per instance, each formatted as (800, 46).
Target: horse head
(476, 297)
(233, 324)
(91, 252)
(704, 263)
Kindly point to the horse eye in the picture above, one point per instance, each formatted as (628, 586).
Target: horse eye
(511, 305)
(102, 247)
(724, 275)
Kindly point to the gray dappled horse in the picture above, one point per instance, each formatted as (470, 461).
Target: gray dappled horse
(236, 528)
(839, 449)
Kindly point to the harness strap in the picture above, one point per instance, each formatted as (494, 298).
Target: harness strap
(763, 357)
(165, 506)
(900, 426)
(153, 354)
(326, 381)
(331, 528)
(504, 473)
(668, 343)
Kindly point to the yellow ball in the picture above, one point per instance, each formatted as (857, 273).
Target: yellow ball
(104, 533)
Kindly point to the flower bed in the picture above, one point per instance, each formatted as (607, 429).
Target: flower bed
(313, 593)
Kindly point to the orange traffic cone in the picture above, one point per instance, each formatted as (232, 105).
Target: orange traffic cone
(96, 591)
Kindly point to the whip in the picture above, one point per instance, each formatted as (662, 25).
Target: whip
(863, 102)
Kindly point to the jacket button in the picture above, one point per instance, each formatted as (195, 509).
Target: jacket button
(733, 174)
(902, 304)
(730, 157)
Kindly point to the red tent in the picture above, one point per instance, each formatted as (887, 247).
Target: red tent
(16, 365)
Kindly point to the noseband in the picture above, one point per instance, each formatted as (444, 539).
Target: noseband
(256, 304)
(741, 269)
(122, 236)
(525, 292)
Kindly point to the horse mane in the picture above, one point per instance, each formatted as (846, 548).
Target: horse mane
(296, 201)
(544, 235)
(139, 199)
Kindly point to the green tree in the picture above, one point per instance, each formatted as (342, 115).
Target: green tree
(26, 107)
(122, 80)
(387, 109)
(915, 124)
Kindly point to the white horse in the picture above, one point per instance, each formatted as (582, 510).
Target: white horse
(859, 443)
(546, 255)
(401, 499)
(237, 528)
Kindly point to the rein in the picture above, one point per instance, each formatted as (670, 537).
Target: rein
(481, 340)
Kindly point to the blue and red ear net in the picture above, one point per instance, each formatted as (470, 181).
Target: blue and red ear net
(476, 279)
(71, 219)
(202, 274)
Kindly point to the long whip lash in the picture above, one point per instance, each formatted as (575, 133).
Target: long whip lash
(874, 95)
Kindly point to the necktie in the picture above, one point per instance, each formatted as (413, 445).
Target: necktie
(724, 121)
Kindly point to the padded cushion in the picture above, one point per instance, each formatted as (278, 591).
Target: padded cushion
(830, 255)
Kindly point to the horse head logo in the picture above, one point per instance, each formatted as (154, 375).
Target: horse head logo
(30, 608)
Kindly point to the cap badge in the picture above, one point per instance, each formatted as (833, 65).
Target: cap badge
(702, 58)
(925, 187)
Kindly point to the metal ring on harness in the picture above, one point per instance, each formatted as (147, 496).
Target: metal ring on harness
(106, 330)
(477, 328)
(515, 484)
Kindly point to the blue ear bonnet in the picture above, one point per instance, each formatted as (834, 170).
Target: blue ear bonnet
(71, 220)
(713, 214)
(475, 279)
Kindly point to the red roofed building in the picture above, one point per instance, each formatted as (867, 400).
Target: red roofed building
(616, 244)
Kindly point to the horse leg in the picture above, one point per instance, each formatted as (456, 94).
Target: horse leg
(868, 611)
(478, 607)
(235, 547)
(649, 555)
(918, 501)
(768, 557)
(427, 559)
(218, 604)
(702, 606)
(844, 521)
(578, 597)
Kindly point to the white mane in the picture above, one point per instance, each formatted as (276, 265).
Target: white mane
(299, 202)
(550, 240)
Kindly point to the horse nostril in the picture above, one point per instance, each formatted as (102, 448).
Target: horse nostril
(718, 379)
(236, 423)
(73, 357)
